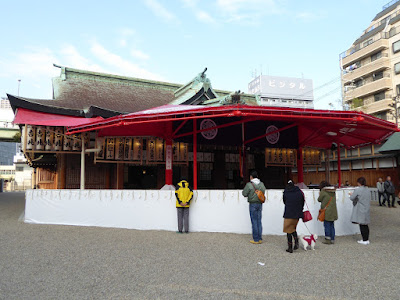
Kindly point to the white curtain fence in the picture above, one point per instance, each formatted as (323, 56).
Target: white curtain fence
(210, 210)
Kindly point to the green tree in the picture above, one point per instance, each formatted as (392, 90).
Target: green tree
(357, 102)
(17, 137)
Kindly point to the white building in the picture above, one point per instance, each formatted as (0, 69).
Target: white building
(14, 171)
(283, 91)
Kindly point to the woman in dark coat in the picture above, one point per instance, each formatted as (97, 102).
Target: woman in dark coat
(293, 198)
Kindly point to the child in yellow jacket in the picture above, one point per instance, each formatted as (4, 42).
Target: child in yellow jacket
(183, 196)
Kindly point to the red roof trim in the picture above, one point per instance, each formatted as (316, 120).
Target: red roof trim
(26, 116)
(181, 112)
(352, 129)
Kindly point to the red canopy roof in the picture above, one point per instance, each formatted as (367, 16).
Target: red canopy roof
(26, 116)
(316, 128)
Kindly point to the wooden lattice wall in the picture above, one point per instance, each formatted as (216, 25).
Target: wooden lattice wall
(95, 175)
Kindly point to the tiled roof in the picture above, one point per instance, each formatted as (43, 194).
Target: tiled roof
(84, 93)
(392, 144)
(81, 89)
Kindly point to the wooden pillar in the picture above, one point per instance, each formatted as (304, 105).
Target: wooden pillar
(300, 175)
(195, 154)
(82, 185)
(61, 171)
(120, 176)
(243, 167)
(327, 166)
(108, 178)
(34, 179)
(339, 167)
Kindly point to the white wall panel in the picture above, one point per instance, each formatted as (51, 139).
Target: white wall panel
(210, 210)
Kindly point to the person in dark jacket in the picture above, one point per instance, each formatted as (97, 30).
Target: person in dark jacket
(327, 197)
(380, 185)
(293, 198)
(255, 206)
(389, 191)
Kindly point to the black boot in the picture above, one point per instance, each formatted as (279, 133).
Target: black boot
(296, 240)
(289, 242)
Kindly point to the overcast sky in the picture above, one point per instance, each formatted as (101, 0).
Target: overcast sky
(174, 40)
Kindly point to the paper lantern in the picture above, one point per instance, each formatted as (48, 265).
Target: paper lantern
(86, 139)
(119, 148)
(76, 142)
(67, 143)
(110, 148)
(49, 141)
(227, 158)
(58, 139)
(175, 151)
(40, 134)
(159, 149)
(100, 144)
(128, 150)
(200, 156)
(207, 156)
(137, 149)
(151, 150)
(183, 152)
(30, 140)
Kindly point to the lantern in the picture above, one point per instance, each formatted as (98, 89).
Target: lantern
(49, 140)
(128, 150)
(58, 139)
(100, 145)
(76, 142)
(110, 148)
(137, 149)
(119, 148)
(159, 149)
(151, 150)
(30, 141)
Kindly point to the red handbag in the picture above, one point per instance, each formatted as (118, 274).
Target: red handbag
(306, 214)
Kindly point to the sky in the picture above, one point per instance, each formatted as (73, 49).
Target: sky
(174, 40)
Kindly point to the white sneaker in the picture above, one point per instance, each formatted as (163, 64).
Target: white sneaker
(363, 242)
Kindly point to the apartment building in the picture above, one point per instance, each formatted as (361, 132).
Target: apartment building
(371, 66)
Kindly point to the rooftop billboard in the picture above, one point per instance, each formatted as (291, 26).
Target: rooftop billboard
(282, 87)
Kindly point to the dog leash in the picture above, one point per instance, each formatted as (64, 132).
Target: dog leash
(307, 228)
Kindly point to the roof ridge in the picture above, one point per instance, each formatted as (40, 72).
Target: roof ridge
(108, 75)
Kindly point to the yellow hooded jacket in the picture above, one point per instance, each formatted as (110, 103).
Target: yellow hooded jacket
(183, 194)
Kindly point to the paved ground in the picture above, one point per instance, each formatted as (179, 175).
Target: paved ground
(67, 262)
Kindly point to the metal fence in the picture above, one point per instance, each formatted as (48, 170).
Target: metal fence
(13, 186)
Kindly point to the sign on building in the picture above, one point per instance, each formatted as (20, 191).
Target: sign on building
(282, 87)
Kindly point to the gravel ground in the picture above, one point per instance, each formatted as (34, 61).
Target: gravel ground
(68, 262)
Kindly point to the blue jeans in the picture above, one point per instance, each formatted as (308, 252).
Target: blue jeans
(329, 230)
(255, 217)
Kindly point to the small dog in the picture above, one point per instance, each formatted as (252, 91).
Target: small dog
(308, 240)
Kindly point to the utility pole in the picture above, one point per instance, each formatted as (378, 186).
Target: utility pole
(19, 83)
